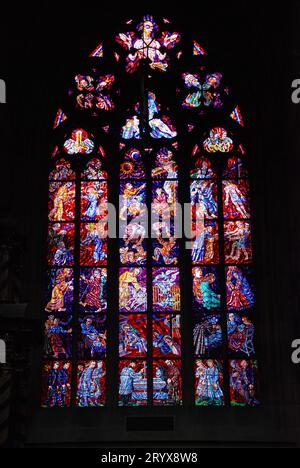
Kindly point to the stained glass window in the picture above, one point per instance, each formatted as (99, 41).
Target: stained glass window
(149, 145)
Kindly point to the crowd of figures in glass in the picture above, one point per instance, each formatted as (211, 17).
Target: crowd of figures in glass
(137, 88)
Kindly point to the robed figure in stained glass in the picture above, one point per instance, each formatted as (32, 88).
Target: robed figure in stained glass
(208, 391)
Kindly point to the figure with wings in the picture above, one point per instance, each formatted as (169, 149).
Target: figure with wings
(145, 45)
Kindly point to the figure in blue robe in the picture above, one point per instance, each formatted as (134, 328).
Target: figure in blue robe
(160, 386)
(243, 384)
(91, 338)
(239, 292)
(159, 128)
(128, 378)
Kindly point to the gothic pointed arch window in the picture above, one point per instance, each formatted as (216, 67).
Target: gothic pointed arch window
(151, 131)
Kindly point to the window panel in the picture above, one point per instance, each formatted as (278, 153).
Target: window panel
(165, 251)
(160, 125)
(202, 91)
(204, 200)
(218, 141)
(62, 172)
(207, 335)
(209, 383)
(206, 289)
(93, 201)
(148, 42)
(133, 248)
(165, 199)
(241, 332)
(133, 290)
(60, 290)
(93, 290)
(93, 244)
(202, 169)
(233, 231)
(166, 290)
(240, 295)
(165, 167)
(132, 166)
(79, 143)
(61, 244)
(61, 201)
(167, 382)
(243, 383)
(58, 336)
(149, 176)
(166, 332)
(92, 339)
(56, 384)
(206, 244)
(235, 169)
(91, 384)
(133, 387)
(133, 200)
(133, 335)
(238, 242)
(236, 199)
(95, 94)
(94, 170)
